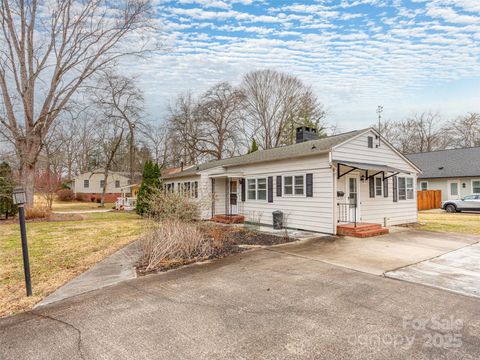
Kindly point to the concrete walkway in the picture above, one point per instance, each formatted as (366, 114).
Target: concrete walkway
(457, 271)
(112, 270)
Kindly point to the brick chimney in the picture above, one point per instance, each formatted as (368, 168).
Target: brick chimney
(305, 133)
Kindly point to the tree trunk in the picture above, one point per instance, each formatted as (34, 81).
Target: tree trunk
(104, 189)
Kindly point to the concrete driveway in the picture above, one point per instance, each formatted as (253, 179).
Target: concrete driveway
(263, 304)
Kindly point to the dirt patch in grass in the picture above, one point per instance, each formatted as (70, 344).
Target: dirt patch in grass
(51, 218)
(225, 241)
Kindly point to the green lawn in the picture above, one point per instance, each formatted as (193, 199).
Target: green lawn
(466, 223)
(59, 251)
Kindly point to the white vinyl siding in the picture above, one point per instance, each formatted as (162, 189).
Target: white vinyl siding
(356, 150)
(380, 208)
(300, 212)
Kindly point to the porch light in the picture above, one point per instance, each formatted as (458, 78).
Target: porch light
(19, 196)
(362, 178)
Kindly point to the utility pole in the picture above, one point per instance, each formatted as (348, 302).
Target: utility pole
(379, 112)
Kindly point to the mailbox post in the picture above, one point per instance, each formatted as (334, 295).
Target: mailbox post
(20, 198)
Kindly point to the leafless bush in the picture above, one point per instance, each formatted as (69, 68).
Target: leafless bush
(172, 240)
(37, 212)
(65, 195)
(173, 206)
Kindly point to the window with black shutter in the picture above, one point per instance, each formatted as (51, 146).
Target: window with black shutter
(371, 187)
(309, 185)
(279, 186)
(385, 187)
(270, 189)
(370, 141)
(243, 183)
(395, 191)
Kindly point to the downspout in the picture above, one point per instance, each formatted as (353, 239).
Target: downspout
(334, 195)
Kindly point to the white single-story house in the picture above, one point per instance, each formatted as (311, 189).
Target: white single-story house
(350, 178)
(89, 185)
(455, 172)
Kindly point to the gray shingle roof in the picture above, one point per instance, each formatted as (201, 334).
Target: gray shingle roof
(448, 163)
(284, 152)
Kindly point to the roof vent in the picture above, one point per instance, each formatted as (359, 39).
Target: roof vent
(440, 168)
(305, 133)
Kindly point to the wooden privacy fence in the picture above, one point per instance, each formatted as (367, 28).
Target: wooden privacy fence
(429, 199)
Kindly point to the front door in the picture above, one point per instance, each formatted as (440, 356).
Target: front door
(233, 197)
(453, 190)
(353, 196)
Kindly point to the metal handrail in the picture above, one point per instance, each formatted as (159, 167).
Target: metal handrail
(344, 213)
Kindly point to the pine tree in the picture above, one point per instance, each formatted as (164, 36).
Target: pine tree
(254, 146)
(7, 184)
(150, 183)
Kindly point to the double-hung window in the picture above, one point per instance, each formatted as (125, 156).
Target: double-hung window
(117, 183)
(410, 189)
(102, 183)
(262, 189)
(251, 189)
(86, 184)
(294, 185)
(405, 188)
(476, 186)
(378, 186)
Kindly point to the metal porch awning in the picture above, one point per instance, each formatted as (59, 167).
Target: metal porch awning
(375, 168)
(226, 175)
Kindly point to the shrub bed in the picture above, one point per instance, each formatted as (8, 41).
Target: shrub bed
(172, 243)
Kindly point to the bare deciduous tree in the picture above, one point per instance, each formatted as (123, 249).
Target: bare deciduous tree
(274, 103)
(47, 52)
(219, 114)
(121, 100)
(465, 130)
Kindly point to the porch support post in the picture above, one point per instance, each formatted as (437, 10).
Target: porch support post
(227, 200)
(213, 198)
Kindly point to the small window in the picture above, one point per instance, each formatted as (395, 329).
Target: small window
(476, 186)
(424, 185)
(86, 184)
(262, 189)
(378, 186)
(370, 141)
(288, 185)
(117, 183)
(410, 189)
(102, 183)
(299, 185)
(251, 189)
(470, 197)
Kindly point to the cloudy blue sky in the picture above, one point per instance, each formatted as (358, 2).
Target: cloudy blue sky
(408, 55)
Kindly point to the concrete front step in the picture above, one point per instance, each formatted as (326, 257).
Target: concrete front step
(361, 230)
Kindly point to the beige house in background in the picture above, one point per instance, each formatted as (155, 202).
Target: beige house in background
(89, 186)
(455, 172)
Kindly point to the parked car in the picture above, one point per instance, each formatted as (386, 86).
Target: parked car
(468, 203)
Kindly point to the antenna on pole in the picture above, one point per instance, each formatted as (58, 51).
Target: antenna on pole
(379, 112)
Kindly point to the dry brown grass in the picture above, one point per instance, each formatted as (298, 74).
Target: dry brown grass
(59, 251)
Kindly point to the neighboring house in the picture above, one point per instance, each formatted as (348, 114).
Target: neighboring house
(317, 184)
(89, 186)
(455, 172)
